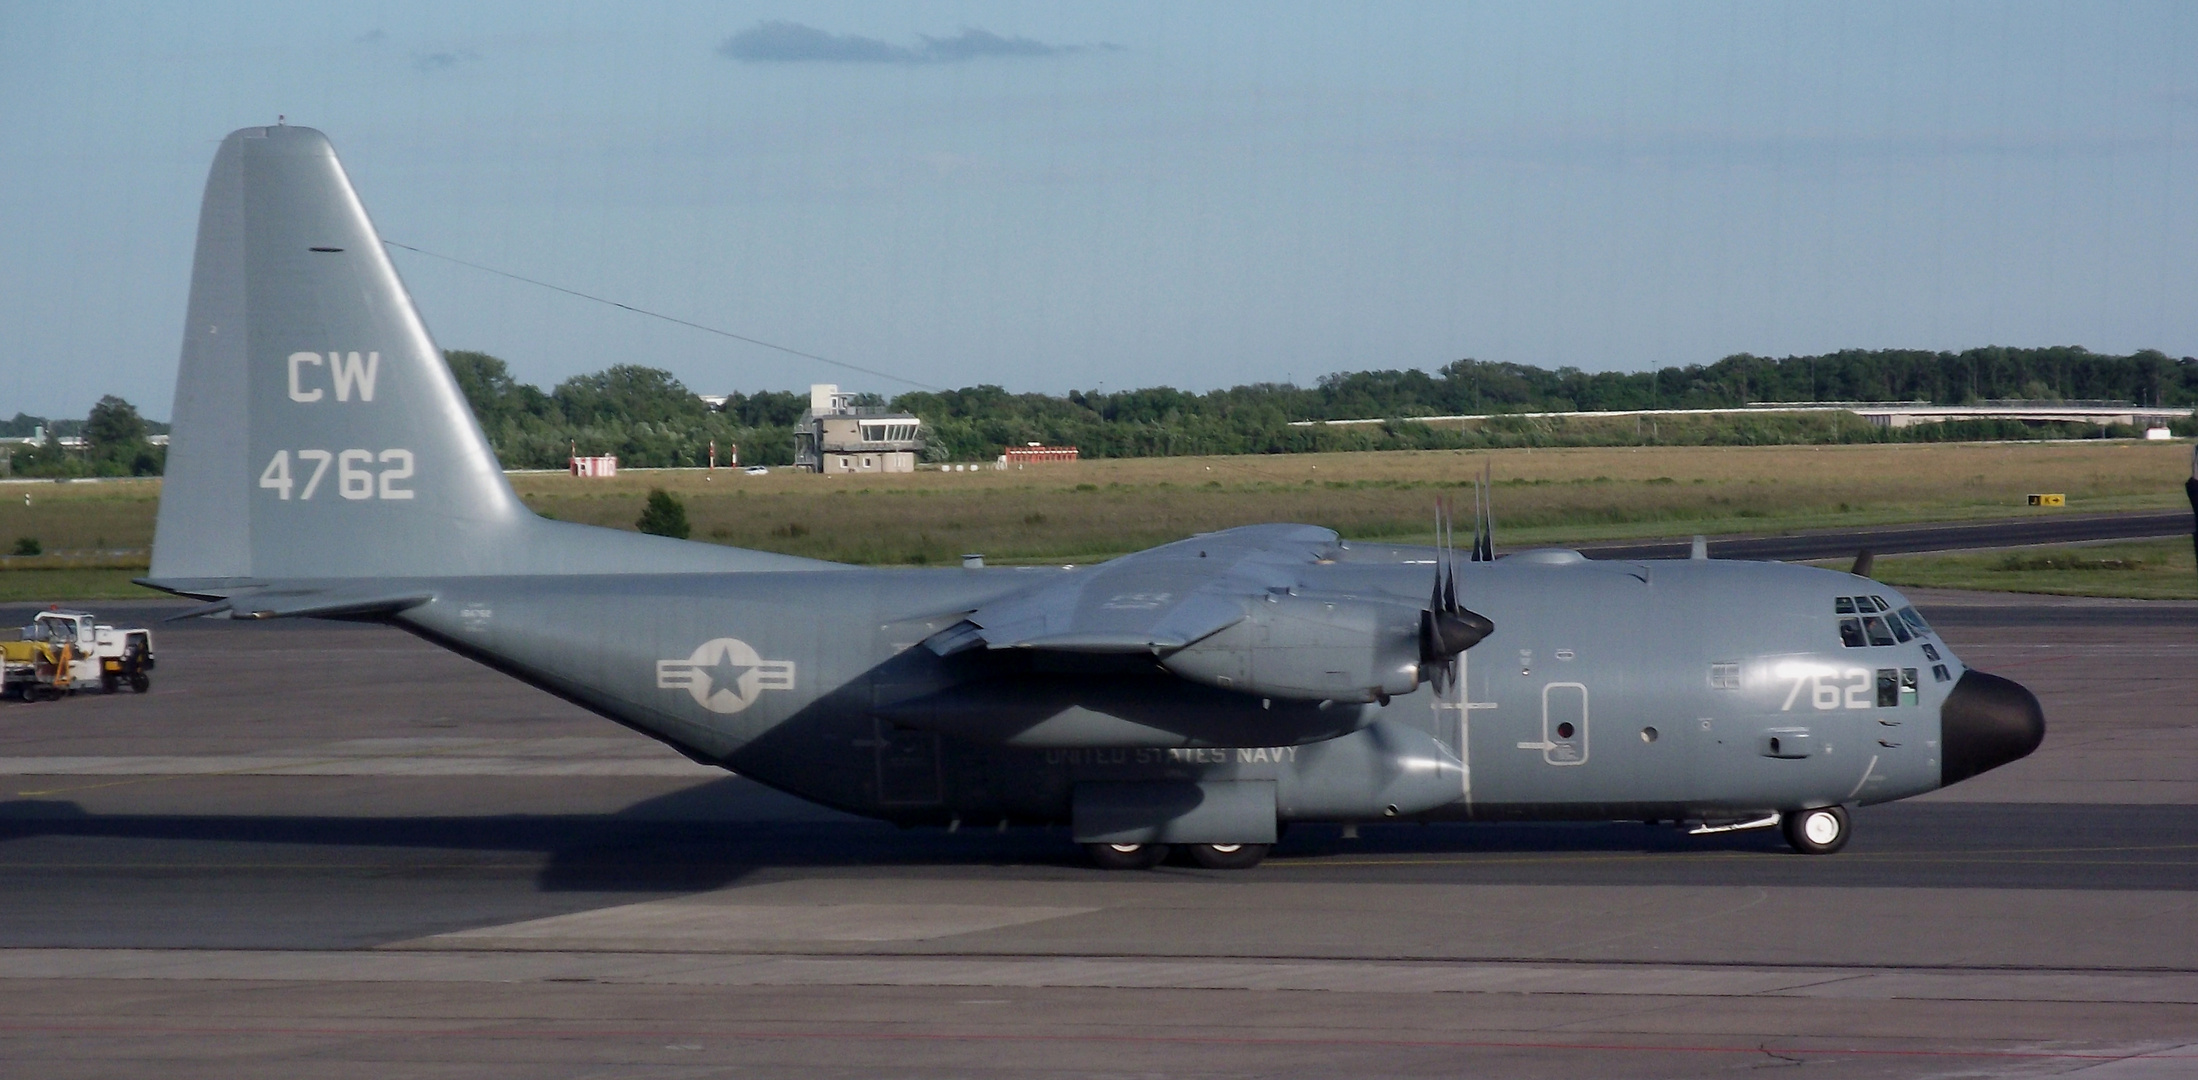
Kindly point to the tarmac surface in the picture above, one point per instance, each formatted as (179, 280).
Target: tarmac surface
(319, 849)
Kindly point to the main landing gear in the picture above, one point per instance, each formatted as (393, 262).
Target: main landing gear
(1146, 856)
(1126, 856)
(1820, 831)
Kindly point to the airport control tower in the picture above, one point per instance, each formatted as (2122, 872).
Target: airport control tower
(837, 437)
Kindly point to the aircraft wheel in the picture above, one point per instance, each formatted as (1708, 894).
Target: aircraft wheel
(1126, 856)
(141, 682)
(1820, 831)
(1228, 856)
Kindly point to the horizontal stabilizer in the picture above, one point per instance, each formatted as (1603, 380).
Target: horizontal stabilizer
(311, 603)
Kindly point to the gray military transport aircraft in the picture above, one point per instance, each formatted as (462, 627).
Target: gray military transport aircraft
(1202, 694)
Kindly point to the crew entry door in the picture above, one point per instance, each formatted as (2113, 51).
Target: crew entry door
(1564, 723)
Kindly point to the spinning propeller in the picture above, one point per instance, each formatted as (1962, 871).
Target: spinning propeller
(1446, 627)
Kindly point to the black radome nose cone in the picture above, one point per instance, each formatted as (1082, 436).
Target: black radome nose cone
(1985, 723)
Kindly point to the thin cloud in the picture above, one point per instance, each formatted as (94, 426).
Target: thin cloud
(972, 43)
(442, 61)
(779, 41)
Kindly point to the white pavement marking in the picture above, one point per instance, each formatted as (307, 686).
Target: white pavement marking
(699, 924)
(1343, 976)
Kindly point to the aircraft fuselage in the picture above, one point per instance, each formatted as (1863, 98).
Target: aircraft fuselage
(1667, 690)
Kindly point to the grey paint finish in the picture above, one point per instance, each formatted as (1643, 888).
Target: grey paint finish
(329, 466)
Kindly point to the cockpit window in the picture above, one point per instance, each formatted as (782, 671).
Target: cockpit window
(1843, 605)
(1875, 627)
(1881, 604)
(1900, 629)
(1850, 633)
(1909, 616)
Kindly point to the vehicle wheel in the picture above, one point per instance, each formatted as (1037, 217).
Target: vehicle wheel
(1126, 856)
(1228, 856)
(110, 682)
(1820, 831)
(141, 682)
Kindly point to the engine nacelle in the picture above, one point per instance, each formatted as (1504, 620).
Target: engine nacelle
(1310, 647)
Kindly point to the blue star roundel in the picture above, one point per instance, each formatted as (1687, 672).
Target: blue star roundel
(725, 675)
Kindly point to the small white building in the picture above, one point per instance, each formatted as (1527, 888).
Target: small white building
(606, 465)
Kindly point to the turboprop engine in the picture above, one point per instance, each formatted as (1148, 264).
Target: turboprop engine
(1316, 647)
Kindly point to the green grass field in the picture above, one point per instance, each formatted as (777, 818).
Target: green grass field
(1084, 511)
(2146, 570)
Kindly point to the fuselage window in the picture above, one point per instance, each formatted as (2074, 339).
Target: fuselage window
(1875, 626)
(1938, 672)
(1888, 687)
(1930, 652)
(1850, 633)
(1843, 605)
(1909, 616)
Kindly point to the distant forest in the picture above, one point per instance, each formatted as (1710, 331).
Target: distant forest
(648, 418)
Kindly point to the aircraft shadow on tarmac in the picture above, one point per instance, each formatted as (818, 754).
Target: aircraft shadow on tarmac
(722, 832)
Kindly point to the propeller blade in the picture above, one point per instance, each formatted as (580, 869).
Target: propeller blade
(1487, 552)
(1434, 598)
(1863, 561)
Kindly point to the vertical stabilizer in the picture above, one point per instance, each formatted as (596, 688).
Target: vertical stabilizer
(318, 433)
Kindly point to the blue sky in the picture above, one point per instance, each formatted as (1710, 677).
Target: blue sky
(1049, 196)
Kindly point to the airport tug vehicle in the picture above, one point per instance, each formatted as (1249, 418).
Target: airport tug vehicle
(65, 651)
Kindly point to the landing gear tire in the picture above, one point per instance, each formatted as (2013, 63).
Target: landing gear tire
(1820, 831)
(1126, 856)
(1228, 856)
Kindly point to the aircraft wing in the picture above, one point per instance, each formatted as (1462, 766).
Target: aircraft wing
(1153, 601)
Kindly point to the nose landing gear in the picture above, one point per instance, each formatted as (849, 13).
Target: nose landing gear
(1820, 831)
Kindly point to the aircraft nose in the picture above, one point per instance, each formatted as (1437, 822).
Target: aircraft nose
(1985, 723)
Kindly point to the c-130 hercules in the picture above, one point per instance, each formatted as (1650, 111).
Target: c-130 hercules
(1200, 694)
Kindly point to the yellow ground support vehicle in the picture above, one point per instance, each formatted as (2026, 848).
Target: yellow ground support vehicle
(65, 651)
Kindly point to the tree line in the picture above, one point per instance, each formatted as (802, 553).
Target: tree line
(976, 422)
(115, 444)
(648, 418)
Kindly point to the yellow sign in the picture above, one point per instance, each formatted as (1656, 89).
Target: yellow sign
(2054, 499)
